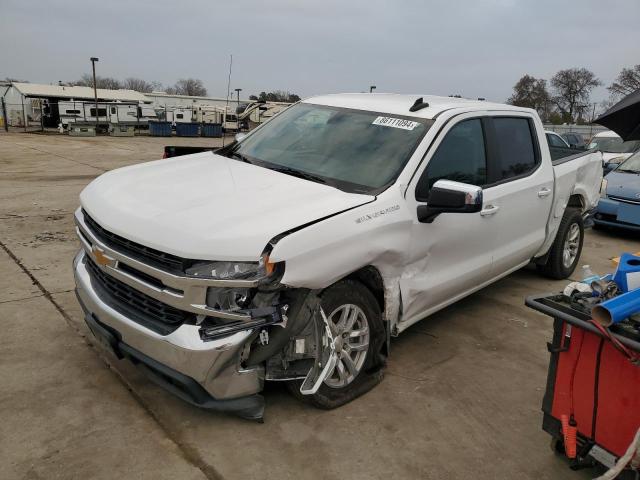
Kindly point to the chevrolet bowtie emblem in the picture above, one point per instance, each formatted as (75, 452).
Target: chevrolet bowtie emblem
(101, 258)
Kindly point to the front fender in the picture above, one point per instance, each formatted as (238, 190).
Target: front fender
(376, 234)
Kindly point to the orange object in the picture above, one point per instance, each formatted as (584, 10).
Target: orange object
(616, 260)
(570, 433)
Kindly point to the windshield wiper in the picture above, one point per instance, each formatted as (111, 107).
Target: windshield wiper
(299, 173)
(626, 170)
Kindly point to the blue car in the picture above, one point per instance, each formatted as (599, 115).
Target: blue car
(619, 204)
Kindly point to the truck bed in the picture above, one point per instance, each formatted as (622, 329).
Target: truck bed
(579, 176)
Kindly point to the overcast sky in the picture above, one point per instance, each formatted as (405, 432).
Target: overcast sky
(473, 47)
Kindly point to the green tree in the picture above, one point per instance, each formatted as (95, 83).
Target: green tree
(276, 96)
(531, 92)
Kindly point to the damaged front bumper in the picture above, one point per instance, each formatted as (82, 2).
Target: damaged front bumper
(205, 372)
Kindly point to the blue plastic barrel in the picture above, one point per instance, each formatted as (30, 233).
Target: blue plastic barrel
(187, 129)
(212, 130)
(160, 129)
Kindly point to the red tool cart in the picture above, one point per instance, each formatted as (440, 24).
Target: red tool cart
(593, 386)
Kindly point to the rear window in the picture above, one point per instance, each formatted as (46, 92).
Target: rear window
(517, 153)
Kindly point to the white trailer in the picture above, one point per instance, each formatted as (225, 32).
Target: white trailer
(107, 113)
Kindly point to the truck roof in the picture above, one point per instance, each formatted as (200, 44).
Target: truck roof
(398, 104)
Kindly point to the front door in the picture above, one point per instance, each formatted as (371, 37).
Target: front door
(453, 255)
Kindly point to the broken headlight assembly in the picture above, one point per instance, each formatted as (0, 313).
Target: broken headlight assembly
(255, 305)
(233, 270)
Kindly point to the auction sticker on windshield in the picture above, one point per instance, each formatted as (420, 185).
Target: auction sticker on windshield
(395, 123)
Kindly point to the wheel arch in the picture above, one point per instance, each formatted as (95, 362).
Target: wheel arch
(576, 200)
(371, 278)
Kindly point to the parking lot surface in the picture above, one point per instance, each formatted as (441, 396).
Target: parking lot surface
(461, 396)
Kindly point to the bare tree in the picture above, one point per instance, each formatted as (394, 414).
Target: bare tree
(572, 89)
(188, 86)
(14, 80)
(627, 81)
(101, 82)
(140, 85)
(531, 92)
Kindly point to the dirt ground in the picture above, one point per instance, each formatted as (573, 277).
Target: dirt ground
(461, 397)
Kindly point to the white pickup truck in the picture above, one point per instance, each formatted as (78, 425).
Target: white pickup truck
(296, 252)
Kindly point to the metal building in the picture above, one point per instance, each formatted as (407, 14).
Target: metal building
(32, 104)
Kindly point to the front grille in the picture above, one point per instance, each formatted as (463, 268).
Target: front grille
(149, 312)
(151, 256)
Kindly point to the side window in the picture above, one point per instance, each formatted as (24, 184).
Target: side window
(516, 151)
(554, 141)
(460, 157)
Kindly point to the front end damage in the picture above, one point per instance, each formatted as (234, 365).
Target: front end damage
(211, 341)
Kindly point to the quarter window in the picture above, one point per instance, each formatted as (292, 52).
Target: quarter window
(460, 157)
(516, 150)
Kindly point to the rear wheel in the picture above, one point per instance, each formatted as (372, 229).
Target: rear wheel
(567, 246)
(356, 324)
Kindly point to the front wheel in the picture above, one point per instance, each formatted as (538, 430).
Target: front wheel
(567, 246)
(356, 324)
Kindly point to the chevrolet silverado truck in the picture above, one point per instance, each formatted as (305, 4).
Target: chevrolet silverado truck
(297, 252)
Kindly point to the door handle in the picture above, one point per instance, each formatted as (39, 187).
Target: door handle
(545, 192)
(490, 210)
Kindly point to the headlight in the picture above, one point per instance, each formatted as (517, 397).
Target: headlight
(233, 270)
(603, 188)
(232, 299)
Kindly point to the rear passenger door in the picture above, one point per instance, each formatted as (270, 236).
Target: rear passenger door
(520, 190)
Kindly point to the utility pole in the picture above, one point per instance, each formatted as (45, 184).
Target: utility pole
(95, 88)
(372, 88)
(238, 90)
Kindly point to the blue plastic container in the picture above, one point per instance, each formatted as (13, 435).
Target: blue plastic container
(617, 309)
(212, 130)
(188, 129)
(627, 276)
(160, 129)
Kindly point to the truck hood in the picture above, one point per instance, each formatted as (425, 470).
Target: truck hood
(623, 185)
(209, 207)
(608, 156)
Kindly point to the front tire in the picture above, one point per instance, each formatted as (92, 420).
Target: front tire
(356, 324)
(567, 246)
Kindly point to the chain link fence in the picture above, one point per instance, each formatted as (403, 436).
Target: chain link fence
(586, 131)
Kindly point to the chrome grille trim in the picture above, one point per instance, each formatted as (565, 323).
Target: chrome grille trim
(194, 290)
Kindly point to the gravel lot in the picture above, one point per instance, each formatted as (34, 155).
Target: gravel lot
(461, 397)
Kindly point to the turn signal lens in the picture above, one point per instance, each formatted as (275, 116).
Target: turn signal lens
(603, 188)
(269, 267)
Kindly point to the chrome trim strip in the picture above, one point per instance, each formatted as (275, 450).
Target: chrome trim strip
(194, 290)
(624, 200)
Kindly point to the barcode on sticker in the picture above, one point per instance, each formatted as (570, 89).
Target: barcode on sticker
(395, 123)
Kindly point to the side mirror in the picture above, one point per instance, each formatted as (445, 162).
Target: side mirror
(239, 136)
(447, 196)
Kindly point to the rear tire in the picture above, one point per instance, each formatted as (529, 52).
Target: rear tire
(359, 368)
(567, 247)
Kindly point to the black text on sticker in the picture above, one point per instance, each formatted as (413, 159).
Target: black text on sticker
(395, 123)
